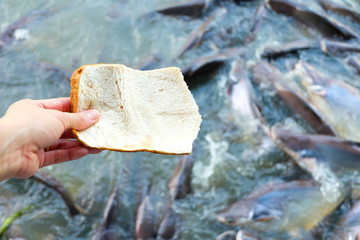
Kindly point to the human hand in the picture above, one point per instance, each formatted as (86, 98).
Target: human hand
(30, 126)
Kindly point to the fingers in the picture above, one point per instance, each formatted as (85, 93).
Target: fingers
(68, 134)
(60, 104)
(64, 155)
(80, 121)
(65, 144)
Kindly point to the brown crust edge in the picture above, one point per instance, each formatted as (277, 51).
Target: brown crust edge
(74, 95)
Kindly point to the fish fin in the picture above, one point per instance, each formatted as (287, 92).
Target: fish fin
(262, 213)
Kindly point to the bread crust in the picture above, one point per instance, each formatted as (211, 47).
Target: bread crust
(74, 95)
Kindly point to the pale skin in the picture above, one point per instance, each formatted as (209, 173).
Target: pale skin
(31, 126)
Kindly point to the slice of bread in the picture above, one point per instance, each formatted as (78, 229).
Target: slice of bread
(150, 111)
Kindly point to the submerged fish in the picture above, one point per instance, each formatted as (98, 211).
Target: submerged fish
(258, 17)
(52, 183)
(109, 216)
(340, 9)
(348, 228)
(355, 62)
(265, 71)
(288, 47)
(211, 63)
(228, 235)
(310, 151)
(168, 225)
(336, 102)
(338, 48)
(7, 37)
(291, 207)
(180, 182)
(325, 24)
(110, 213)
(241, 92)
(145, 219)
(196, 38)
(191, 8)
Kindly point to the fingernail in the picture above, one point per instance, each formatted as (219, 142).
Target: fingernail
(93, 114)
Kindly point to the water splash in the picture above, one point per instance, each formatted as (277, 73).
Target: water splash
(218, 151)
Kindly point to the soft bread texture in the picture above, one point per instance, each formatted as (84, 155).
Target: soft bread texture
(150, 111)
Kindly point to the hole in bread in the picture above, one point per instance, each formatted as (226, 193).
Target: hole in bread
(80, 71)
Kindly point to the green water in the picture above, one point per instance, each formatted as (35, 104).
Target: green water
(230, 156)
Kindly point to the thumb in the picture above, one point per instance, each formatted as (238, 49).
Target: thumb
(81, 120)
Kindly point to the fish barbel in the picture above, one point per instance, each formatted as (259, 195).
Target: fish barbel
(291, 207)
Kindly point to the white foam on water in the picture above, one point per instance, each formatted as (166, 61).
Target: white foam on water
(330, 185)
(21, 34)
(217, 151)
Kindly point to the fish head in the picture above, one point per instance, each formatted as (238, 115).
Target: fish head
(237, 213)
(245, 211)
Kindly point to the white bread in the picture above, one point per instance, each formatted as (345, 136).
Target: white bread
(150, 111)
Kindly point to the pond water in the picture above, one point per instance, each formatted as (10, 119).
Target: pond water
(232, 155)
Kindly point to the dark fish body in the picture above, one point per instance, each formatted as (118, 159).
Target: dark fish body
(265, 71)
(228, 235)
(325, 24)
(348, 228)
(196, 38)
(111, 211)
(241, 92)
(180, 183)
(311, 150)
(334, 101)
(354, 62)
(291, 207)
(244, 235)
(335, 92)
(7, 37)
(52, 183)
(145, 220)
(109, 216)
(289, 47)
(342, 10)
(168, 224)
(258, 17)
(192, 8)
(338, 48)
(208, 64)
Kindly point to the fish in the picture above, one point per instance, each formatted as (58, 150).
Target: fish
(258, 17)
(325, 24)
(195, 38)
(228, 235)
(52, 183)
(311, 150)
(145, 219)
(335, 101)
(278, 50)
(264, 71)
(348, 227)
(354, 61)
(180, 182)
(111, 211)
(109, 216)
(168, 225)
(244, 235)
(338, 48)
(7, 36)
(283, 207)
(207, 64)
(340, 9)
(191, 8)
(241, 92)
